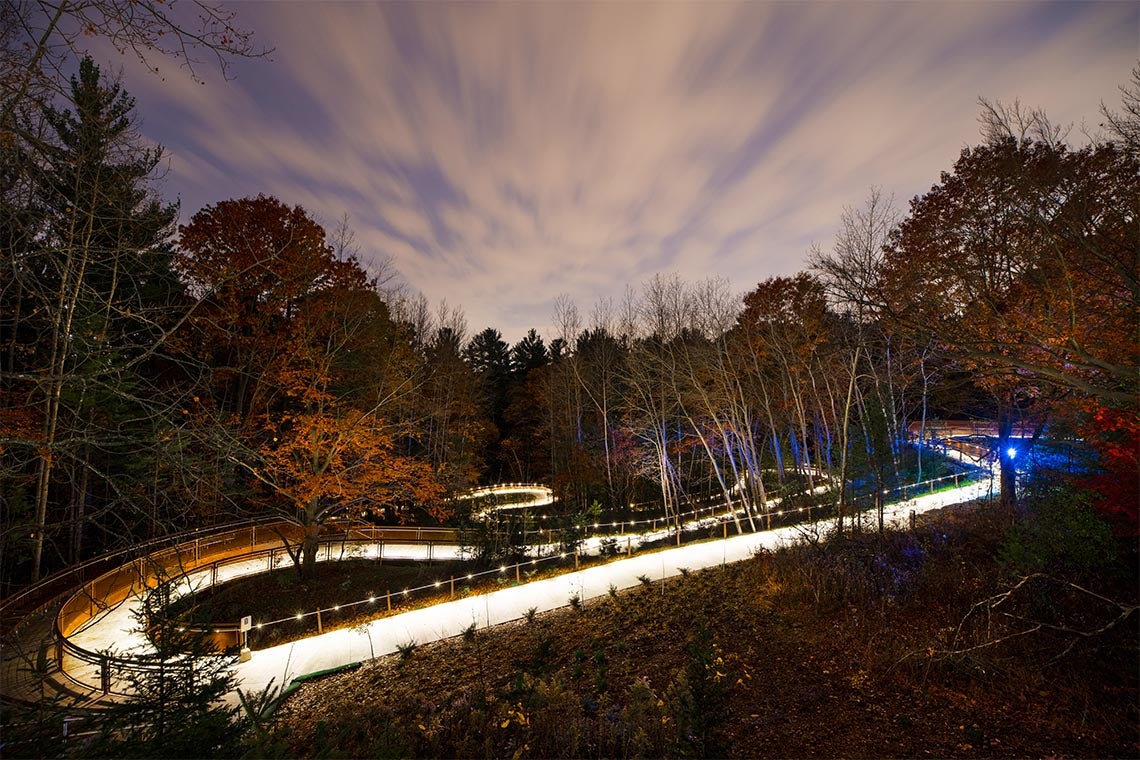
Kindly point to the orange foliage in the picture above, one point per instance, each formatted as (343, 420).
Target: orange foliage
(1022, 263)
(306, 364)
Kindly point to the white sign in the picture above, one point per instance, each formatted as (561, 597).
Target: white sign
(246, 623)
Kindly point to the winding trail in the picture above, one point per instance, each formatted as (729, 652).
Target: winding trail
(117, 627)
(282, 663)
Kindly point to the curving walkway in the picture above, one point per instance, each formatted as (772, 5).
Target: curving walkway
(381, 637)
(116, 627)
(82, 646)
(537, 496)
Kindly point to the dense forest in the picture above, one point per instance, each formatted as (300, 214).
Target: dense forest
(159, 376)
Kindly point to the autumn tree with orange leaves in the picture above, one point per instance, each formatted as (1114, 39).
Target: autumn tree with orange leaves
(306, 369)
(1022, 264)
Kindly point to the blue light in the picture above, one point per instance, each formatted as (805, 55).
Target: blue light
(1011, 452)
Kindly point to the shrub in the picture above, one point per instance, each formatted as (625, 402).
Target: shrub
(855, 570)
(1059, 530)
(406, 649)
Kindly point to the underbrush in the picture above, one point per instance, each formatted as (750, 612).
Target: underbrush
(908, 643)
(661, 690)
(1044, 606)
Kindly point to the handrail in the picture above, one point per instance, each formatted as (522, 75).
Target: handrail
(107, 662)
(78, 571)
(177, 556)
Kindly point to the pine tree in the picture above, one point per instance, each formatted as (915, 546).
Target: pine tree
(86, 294)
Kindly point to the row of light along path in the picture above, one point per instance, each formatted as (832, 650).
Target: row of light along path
(117, 628)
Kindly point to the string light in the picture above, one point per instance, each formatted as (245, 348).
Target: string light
(665, 520)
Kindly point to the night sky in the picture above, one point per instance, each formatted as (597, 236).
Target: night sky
(504, 154)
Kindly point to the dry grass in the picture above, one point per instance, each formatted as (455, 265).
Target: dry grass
(837, 649)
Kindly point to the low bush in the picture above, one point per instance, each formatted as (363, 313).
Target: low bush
(1059, 531)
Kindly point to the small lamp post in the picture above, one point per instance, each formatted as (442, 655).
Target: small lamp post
(246, 624)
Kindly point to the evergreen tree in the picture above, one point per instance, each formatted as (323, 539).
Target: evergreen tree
(85, 295)
(489, 357)
(529, 354)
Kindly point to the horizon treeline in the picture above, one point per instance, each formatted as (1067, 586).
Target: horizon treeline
(158, 377)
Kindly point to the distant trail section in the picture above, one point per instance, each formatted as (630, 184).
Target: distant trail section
(532, 495)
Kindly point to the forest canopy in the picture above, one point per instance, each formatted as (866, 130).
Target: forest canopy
(157, 378)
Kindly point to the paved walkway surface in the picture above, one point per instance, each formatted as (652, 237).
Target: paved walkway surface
(118, 629)
(380, 637)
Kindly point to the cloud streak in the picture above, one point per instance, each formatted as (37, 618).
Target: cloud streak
(506, 153)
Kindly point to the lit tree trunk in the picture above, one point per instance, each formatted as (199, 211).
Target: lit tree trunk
(846, 436)
(922, 426)
(309, 544)
(1007, 466)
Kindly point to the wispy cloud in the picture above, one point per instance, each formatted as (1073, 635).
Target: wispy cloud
(506, 153)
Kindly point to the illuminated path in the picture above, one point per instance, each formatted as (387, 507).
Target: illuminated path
(117, 628)
(381, 637)
(537, 496)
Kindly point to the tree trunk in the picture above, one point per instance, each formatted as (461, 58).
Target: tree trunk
(309, 547)
(1007, 467)
(846, 437)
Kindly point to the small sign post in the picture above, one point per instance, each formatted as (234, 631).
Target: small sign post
(246, 624)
